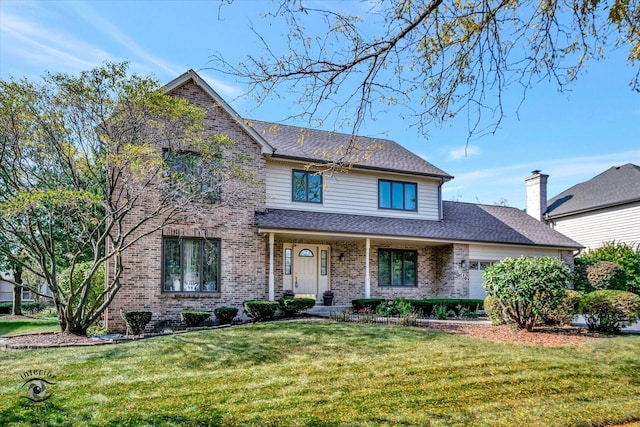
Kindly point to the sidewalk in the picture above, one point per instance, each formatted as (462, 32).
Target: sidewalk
(633, 329)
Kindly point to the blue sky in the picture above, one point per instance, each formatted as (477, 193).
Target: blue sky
(570, 136)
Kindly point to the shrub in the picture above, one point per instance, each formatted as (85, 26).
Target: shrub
(457, 305)
(396, 307)
(260, 310)
(194, 318)
(623, 254)
(225, 314)
(69, 281)
(291, 306)
(565, 312)
(494, 310)
(442, 312)
(606, 275)
(524, 286)
(610, 310)
(364, 303)
(136, 320)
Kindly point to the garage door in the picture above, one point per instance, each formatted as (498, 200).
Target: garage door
(476, 267)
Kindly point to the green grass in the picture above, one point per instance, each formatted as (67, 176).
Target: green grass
(27, 326)
(327, 374)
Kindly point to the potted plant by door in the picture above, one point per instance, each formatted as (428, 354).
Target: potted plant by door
(327, 297)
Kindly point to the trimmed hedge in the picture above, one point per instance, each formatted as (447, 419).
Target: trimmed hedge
(28, 307)
(564, 313)
(610, 310)
(364, 303)
(260, 310)
(136, 320)
(291, 306)
(194, 318)
(428, 306)
(225, 314)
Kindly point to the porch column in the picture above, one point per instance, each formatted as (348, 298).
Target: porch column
(272, 291)
(367, 279)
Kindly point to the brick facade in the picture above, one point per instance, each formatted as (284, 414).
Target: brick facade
(243, 261)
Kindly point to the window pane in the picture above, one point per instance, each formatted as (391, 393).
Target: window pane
(384, 194)
(210, 264)
(172, 265)
(409, 268)
(384, 272)
(299, 186)
(191, 268)
(396, 268)
(315, 188)
(287, 261)
(397, 195)
(410, 197)
(305, 253)
(323, 263)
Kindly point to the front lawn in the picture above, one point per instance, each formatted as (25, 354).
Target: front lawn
(10, 327)
(327, 374)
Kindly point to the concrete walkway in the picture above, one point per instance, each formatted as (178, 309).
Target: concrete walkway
(632, 329)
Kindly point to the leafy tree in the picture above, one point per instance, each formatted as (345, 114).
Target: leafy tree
(435, 58)
(89, 165)
(526, 286)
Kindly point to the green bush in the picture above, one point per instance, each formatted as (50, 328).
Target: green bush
(27, 307)
(459, 306)
(292, 306)
(526, 285)
(607, 275)
(194, 317)
(623, 254)
(136, 320)
(260, 310)
(364, 303)
(493, 309)
(225, 314)
(610, 310)
(565, 312)
(70, 280)
(396, 307)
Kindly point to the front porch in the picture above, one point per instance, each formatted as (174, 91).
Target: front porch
(311, 263)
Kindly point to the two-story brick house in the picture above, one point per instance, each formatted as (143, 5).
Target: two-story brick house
(381, 229)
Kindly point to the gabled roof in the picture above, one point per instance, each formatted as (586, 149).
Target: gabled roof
(192, 76)
(463, 222)
(312, 145)
(615, 186)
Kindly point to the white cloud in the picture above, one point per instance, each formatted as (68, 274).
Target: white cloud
(462, 152)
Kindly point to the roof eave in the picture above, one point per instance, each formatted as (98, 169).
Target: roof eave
(590, 209)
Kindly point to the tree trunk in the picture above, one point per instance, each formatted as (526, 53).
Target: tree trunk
(17, 292)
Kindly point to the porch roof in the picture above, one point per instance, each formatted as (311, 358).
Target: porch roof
(463, 222)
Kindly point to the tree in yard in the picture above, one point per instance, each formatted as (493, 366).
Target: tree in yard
(526, 286)
(91, 164)
(435, 58)
(15, 270)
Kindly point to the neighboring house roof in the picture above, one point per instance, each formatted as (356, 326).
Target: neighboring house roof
(312, 145)
(466, 222)
(191, 75)
(615, 186)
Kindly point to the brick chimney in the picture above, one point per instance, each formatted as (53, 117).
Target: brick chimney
(536, 194)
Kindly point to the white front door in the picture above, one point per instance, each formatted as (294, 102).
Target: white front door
(305, 265)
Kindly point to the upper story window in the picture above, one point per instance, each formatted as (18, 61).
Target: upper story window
(307, 186)
(190, 175)
(190, 265)
(397, 195)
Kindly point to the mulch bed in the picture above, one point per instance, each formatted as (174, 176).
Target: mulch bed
(548, 336)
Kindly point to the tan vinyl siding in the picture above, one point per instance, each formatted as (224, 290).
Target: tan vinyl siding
(621, 223)
(496, 253)
(355, 192)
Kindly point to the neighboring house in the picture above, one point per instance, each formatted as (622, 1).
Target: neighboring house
(379, 230)
(6, 289)
(602, 209)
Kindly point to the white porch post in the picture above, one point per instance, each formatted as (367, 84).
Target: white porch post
(272, 291)
(367, 279)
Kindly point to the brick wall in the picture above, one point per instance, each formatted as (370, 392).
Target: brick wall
(243, 261)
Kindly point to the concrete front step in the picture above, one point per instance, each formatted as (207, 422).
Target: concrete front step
(325, 311)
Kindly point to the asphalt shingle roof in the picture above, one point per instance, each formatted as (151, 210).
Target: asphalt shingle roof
(319, 146)
(615, 186)
(462, 222)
